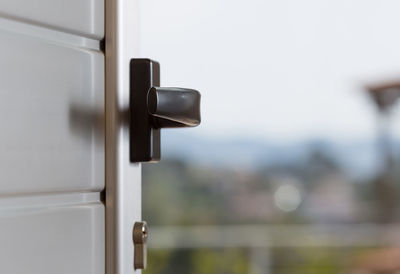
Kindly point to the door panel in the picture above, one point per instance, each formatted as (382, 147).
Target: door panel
(51, 116)
(82, 17)
(52, 137)
(48, 240)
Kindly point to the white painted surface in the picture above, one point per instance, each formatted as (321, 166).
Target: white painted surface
(52, 122)
(123, 179)
(82, 17)
(51, 117)
(48, 240)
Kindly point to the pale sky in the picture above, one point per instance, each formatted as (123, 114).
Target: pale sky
(274, 68)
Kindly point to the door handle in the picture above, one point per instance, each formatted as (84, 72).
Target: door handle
(153, 107)
(174, 107)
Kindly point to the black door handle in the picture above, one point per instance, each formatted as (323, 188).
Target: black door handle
(153, 107)
(174, 107)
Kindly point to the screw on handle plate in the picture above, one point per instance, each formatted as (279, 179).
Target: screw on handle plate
(140, 245)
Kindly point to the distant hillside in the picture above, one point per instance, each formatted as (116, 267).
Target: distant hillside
(356, 158)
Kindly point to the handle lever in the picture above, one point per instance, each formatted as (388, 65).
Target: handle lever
(174, 107)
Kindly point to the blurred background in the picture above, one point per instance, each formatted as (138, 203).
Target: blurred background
(295, 167)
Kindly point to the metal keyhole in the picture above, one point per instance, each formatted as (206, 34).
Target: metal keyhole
(140, 245)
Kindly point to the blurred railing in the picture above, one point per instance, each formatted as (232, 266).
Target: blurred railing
(357, 235)
(260, 239)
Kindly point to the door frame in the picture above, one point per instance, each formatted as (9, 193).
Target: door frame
(123, 179)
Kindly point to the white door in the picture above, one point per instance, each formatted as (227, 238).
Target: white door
(64, 88)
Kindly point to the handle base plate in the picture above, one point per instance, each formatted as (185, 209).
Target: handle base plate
(144, 139)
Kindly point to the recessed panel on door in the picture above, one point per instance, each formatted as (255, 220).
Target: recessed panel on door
(51, 117)
(82, 17)
(49, 240)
